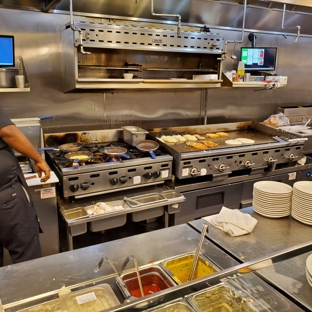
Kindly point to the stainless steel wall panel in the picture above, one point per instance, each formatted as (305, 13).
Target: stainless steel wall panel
(38, 41)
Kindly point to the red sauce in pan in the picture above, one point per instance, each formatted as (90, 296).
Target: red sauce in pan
(147, 290)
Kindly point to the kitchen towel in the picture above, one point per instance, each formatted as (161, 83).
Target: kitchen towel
(232, 221)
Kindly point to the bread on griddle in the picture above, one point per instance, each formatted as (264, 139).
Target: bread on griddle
(222, 134)
(212, 135)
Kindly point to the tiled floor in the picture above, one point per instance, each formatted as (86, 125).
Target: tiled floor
(92, 238)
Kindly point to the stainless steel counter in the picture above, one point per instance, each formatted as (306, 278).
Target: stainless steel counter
(49, 274)
(269, 236)
(32, 282)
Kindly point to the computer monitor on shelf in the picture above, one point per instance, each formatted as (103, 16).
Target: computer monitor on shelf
(259, 59)
(7, 53)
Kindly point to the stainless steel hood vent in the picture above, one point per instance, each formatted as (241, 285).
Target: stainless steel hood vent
(97, 54)
(145, 37)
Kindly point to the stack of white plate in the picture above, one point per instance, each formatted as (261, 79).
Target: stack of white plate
(302, 202)
(272, 199)
(309, 269)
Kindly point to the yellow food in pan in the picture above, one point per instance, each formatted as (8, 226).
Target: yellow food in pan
(181, 268)
(79, 157)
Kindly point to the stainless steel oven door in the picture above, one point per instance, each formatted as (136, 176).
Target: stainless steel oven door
(208, 201)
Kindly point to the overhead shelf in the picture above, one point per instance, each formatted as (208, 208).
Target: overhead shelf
(14, 89)
(226, 82)
(89, 83)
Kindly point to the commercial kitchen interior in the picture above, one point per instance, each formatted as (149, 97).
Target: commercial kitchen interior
(41, 31)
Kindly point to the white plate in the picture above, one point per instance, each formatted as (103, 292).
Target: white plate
(273, 187)
(272, 195)
(271, 215)
(301, 219)
(304, 186)
(309, 280)
(309, 264)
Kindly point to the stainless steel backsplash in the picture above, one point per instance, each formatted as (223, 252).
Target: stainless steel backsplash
(38, 41)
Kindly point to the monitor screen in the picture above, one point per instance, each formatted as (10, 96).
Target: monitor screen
(259, 59)
(7, 57)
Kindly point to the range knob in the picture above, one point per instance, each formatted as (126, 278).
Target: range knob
(85, 185)
(248, 164)
(123, 179)
(148, 175)
(223, 167)
(156, 174)
(74, 187)
(113, 181)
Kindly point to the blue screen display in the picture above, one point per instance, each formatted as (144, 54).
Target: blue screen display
(7, 58)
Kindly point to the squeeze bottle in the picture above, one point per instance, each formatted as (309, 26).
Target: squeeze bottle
(241, 69)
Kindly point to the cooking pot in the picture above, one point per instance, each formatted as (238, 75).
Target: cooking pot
(79, 156)
(115, 151)
(147, 146)
(65, 148)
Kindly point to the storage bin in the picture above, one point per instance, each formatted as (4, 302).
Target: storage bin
(132, 134)
(108, 223)
(7, 77)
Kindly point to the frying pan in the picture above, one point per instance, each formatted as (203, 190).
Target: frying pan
(115, 151)
(65, 148)
(79, 156)
(147, 146)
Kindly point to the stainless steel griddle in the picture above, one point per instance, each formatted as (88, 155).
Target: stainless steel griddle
(268, 149)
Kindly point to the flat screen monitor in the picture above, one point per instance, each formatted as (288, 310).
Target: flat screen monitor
(7, 55)
(259, 59)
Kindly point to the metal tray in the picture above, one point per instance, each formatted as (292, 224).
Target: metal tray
(179, 267)
(48, 306)
(176, 305)
(74, 214)
(170, 195)
(145, 199)
(222, 298)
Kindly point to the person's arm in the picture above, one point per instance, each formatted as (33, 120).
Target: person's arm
(14, 137)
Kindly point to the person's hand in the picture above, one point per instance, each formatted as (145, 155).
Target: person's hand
(42, 167)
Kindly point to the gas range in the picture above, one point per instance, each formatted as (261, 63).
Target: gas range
(103, 174)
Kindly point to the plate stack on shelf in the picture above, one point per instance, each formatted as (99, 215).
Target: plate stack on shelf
(309, 269)
(302, 202)
(272, 199)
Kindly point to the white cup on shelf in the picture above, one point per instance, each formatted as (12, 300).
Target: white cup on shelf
(128, 75)
(20, 81)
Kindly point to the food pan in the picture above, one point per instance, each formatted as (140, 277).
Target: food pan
(76, 214)
(95, 299)
(151, 198)
(179, 267)
(179, 305)
(169, 195)
(133, 134)
(112, 219)
(221, 298)
(49, 306)
(153, 279)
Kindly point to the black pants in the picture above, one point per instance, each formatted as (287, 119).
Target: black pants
(19, 228)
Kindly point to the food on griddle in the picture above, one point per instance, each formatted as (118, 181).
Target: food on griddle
(198, 146)
(179, 138)
(212, 135)
(190, 137)
(246, 141)
(210, 144)
(222, 134)
(233, 142)
(199, 137)
(101, 208)
(168, 139)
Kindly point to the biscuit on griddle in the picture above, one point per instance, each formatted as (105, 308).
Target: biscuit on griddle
(222, 134)
(212, 135)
